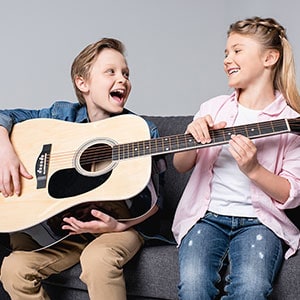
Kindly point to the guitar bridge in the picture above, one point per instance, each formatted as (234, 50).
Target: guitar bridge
(42, 166)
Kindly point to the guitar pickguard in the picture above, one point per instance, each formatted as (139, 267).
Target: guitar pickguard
(69, 183)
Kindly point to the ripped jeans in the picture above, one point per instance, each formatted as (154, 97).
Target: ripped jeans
(254, 253)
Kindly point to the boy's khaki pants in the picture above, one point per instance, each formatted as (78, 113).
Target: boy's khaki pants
(102, 262)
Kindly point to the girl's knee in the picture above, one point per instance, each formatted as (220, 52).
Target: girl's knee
(198, 283)
(249, 287)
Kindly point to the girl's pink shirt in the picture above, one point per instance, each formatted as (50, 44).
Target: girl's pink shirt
(278, 153)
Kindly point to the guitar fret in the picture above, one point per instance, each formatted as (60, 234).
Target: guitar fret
(140, 149)
(177, 141)
(127, 151)
(185, 141)
(135, 149)
(221, 135)
(190, 141)
(258, 129)
(167, 144)
(160, 145)
(147, 147)
(155, 145)
(266, 130)
(241, 130)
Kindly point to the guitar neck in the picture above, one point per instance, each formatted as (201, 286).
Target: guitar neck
(183, 142)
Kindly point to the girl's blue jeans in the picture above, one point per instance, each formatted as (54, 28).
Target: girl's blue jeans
(254, 253)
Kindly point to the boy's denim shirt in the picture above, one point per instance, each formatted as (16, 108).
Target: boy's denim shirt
(75, 112)
(60, 110)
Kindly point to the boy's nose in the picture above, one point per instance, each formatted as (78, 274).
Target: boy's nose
(121, 78)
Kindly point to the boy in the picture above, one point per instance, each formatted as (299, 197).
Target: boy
(101, 80)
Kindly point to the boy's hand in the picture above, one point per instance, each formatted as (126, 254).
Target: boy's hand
(11, 170)
(103, 223)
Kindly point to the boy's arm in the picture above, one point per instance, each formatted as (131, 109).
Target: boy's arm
(11, 168)
(103, 223)
(10, 117)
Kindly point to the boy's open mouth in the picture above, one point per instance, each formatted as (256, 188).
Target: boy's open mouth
(117, 95)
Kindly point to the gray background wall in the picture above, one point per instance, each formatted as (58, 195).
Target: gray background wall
(175, 48)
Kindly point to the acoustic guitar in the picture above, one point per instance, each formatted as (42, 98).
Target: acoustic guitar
(59, 155)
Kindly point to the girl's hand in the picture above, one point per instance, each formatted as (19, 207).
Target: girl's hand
(200, 127)
(103, 223)
(244, 152)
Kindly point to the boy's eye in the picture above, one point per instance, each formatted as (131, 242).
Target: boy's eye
(110, 71)
(126, 75)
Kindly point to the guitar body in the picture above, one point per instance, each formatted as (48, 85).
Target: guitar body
(59, 155)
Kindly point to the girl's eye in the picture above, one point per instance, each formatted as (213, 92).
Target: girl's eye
(237, 50)
(126, 75)
(110, 71)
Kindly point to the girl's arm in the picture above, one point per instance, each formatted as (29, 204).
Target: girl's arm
(199, 128)
(244, 152)
(277, 187)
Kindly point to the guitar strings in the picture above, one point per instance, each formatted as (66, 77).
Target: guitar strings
(106, 153)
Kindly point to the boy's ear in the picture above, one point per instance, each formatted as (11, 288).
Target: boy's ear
(271, 57)
(81, 84)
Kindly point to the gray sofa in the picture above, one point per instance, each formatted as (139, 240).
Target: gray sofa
(153, 273)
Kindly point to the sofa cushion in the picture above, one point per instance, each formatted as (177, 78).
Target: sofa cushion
(152, 273)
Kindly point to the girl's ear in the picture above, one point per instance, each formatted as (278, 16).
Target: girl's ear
(271, 57)
(81, 84)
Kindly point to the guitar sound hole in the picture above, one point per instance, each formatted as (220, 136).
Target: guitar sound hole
(96, 157)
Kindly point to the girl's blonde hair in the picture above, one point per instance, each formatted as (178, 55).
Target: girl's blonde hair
(82, 64)
(272, 35)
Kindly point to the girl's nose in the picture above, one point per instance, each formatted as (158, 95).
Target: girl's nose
(227, 59)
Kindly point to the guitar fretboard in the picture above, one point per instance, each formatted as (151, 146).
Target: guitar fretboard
(181, 142)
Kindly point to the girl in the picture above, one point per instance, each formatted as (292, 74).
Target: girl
(233, 206)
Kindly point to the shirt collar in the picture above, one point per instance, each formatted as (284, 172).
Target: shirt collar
(82, 115)
(277, 106)
(273, 109)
